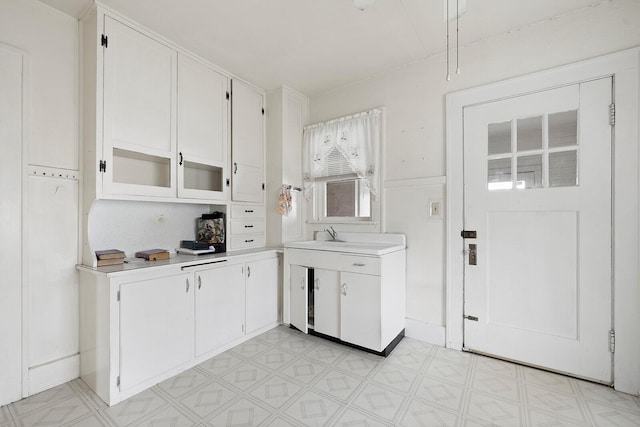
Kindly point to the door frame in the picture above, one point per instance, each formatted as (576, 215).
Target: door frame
(624, 68)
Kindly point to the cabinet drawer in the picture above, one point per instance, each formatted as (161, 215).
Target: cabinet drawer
(247, 226)
(247, 211)
(360, 264)
(247, 241)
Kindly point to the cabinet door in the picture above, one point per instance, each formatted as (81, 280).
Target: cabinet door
(155, 327)
(299, 298)
(139, 144)
(262, 293)
(247, 132)
(326, 302)
(360, 321)
(219, 307)
(202, 130)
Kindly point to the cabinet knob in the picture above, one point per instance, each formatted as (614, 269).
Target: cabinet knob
(235, 168)
(199, 282)
(359, 264)
(248, 271)
(302, 284)
(187, 285)
(344, 289)
(317, 284)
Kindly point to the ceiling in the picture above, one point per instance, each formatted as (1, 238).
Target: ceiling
(315, 45)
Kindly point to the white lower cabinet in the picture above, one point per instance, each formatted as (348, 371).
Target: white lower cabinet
(361, 309)
(357, 299)
(138, 328)
(220, 297)
(154, 315)
(262, 294)
(326, 302)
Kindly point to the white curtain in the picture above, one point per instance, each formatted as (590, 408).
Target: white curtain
(356, 138)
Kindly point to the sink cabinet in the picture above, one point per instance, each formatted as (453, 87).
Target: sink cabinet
(356, 299)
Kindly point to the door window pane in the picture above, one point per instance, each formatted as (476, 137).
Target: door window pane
(529, 133)
(529, 171)
(499, 175)
(563, 129)
(499, 138)
(563, 168)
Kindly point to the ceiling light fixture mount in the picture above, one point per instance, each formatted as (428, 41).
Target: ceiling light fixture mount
(362, 4)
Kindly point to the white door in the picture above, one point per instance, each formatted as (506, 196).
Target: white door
(155, 327)
(202, 130)
(262, 293)
(360, 310)
(538, 194)
(299, 297)
(11, 71)
(219, 307)
(326, 302)
(139, 113)
(247, 135)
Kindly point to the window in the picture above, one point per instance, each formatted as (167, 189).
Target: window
(542, 150)
(341, 167)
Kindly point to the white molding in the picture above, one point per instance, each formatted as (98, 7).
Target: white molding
(48, 375)
(416, 182)
(623, 66)
(433, 334)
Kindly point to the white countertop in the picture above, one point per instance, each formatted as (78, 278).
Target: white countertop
(354, 243)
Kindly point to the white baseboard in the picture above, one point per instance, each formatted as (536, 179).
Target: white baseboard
(48, 375)
(433, 334)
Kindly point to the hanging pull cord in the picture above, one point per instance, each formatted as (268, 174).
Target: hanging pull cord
(457, 37)
(448, 76)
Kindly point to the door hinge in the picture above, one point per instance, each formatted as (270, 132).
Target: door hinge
(612, 341)
(102, 167)
(228, 182)
(118, 381)
(104, 41)
(612, 114)
(468, 234)
(263, 111)
(118, 296)
(474, 318)
(263, 186)
(228, 96)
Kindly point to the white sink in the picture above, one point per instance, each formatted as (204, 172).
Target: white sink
(379, 246)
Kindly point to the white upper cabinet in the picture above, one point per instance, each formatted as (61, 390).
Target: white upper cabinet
(247, 132)
(139, 141)
(157, 120)
(203, 116)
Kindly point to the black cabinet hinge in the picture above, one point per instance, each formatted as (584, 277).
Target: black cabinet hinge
(263, 111)
(263, 186)
(103, 166)
(228, 96)
(228, 182)
(105, 41)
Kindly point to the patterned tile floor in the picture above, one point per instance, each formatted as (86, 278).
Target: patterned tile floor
(285, 378)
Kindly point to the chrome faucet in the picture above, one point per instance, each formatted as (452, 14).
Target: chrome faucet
(333, 233)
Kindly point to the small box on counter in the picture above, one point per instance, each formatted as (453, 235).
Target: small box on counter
(192, 244)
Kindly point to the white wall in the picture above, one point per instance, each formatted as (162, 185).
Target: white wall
(415, 124)
(49, 40)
